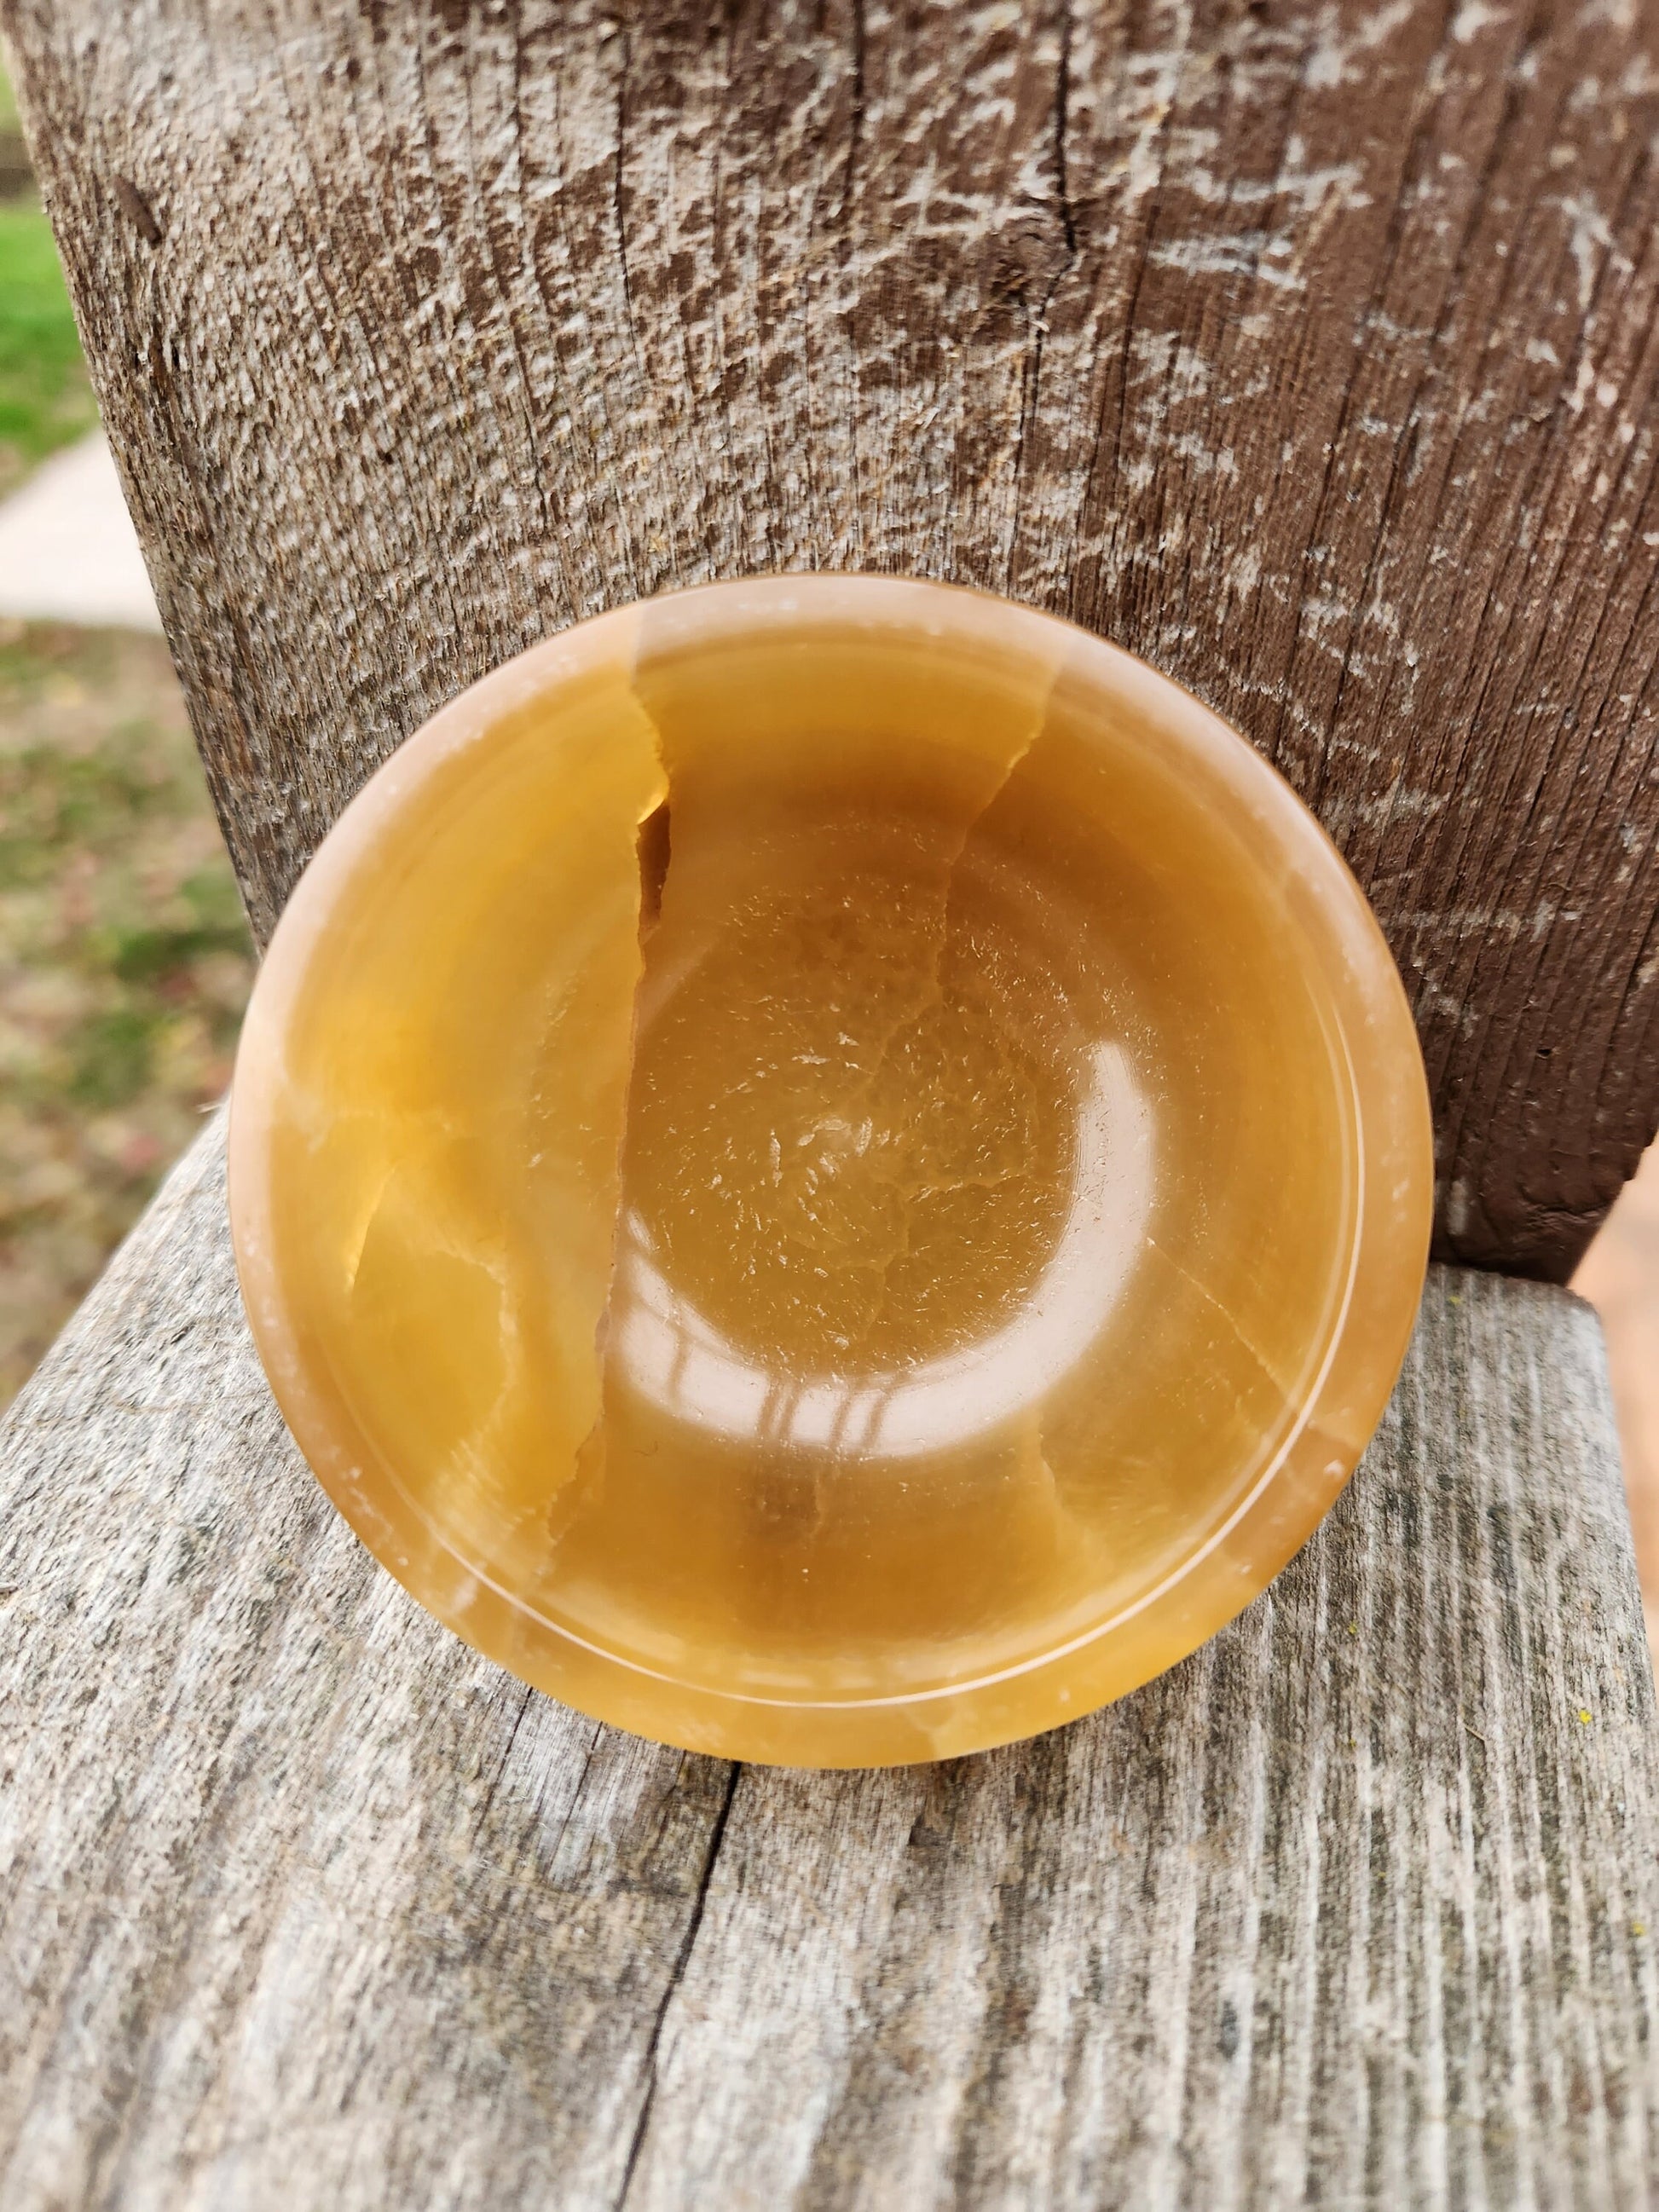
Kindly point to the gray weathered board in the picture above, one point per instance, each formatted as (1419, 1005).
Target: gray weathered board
(302, 1905)
(1310, 348)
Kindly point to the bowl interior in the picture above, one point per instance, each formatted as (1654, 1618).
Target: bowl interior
(804, 1151)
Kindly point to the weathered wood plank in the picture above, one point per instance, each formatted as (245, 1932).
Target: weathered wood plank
(302, 1902)
(1310, 350)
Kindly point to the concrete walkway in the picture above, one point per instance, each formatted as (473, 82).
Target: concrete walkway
(67, 550)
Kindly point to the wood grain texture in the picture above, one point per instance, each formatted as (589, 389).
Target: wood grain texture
(1308, 348)
(302, 1902)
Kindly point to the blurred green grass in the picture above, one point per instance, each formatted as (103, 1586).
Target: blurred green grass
(45, 399)
(124, 960)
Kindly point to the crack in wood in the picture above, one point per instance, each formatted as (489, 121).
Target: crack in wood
(682, 1960)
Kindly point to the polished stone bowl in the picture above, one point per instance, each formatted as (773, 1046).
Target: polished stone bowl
(830, 1169)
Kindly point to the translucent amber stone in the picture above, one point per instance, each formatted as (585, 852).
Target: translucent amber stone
(831, 1170)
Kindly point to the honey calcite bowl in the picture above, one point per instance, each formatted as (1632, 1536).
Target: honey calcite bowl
(831, 1169)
